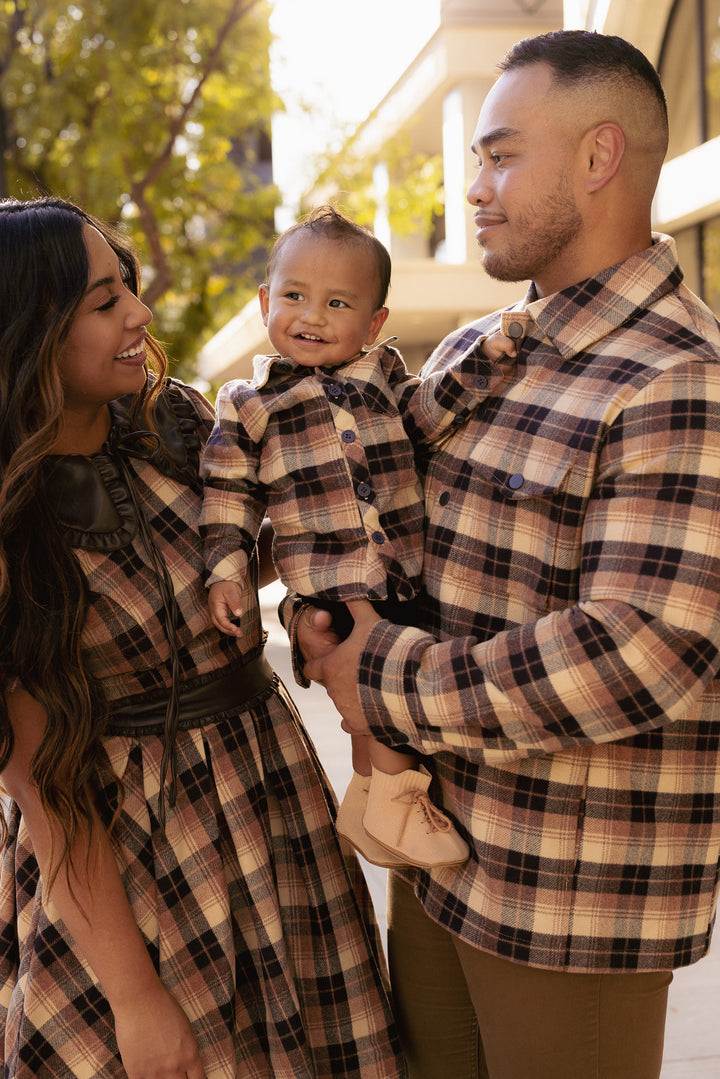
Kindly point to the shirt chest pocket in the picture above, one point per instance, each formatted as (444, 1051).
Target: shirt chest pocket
(531, 491)
(524, 467)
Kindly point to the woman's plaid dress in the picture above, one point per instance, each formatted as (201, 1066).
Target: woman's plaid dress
(257, 922)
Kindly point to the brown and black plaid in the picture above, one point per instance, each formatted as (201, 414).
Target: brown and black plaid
(564, 677)
(256, 920)
(329, 453)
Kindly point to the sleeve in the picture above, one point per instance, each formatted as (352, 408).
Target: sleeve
(641, 644)
(290, 608)
(234, 499)
(447, 394)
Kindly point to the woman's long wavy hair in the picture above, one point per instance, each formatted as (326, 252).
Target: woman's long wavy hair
(43, 596)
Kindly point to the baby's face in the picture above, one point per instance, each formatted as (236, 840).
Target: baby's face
(319, 305)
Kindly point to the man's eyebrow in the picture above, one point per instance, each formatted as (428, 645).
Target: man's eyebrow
(504, 133)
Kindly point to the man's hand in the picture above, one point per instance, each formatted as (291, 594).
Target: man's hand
(315, 635)
(335, 665)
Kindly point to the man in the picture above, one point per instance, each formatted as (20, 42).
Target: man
(564, 683)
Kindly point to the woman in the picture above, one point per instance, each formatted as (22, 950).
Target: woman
(173, 902)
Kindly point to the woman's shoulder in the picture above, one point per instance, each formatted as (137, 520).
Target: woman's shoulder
(183, 419)
(183, 398)
(173, 402)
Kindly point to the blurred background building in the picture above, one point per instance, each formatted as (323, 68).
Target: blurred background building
(429, 115)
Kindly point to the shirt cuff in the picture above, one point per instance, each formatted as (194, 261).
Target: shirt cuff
(382, 686)
(289, 610)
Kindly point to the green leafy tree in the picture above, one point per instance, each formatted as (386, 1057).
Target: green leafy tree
(413, 200)
(154, 116)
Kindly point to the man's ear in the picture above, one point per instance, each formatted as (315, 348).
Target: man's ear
(605, 148)
(264, 298)
(376, 324)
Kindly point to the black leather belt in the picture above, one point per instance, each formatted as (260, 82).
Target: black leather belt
(201, 701)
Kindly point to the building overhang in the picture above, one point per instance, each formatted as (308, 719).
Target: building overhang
(688, 191)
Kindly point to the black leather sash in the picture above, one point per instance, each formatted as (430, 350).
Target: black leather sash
(233, 689)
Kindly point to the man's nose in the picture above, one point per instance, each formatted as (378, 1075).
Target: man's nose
(479, 191)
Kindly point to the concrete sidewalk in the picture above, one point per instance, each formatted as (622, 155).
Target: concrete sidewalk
(692, 1036)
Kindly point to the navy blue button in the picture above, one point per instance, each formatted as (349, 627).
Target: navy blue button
(378, 537)
(515, 482)
(364, 490)
(444, 498)
(334, 390)
(481, 382)
(348, 436)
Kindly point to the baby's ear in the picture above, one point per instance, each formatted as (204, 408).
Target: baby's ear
(376, 324)
(264, 298)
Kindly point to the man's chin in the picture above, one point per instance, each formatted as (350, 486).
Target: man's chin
(501, 271)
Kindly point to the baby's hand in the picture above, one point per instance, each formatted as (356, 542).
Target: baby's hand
(225, 603)
(498, 345)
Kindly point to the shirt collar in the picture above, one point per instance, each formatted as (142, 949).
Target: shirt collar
(579, 316)
(263, 365)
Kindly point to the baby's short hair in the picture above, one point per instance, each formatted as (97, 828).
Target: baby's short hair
(329, 222)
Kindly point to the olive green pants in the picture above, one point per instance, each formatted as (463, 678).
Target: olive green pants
(464, 1014)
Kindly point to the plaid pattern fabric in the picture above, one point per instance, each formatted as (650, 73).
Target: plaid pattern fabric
(258, 922)
(564, 678)
(325, 452)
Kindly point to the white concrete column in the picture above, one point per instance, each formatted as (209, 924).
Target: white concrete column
(461, 108)
(381, 224)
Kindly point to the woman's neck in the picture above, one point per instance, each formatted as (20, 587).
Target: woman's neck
(83, 433)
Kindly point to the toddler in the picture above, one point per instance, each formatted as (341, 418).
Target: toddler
(322, 440)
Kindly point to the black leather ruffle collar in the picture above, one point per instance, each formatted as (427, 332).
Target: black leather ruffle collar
(89, 495)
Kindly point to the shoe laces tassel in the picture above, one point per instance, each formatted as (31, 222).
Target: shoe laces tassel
(434, 818)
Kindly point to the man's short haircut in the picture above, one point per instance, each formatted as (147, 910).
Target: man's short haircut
(578, 56)
(328, 222)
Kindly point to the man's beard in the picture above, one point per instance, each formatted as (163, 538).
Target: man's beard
(544, 230)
